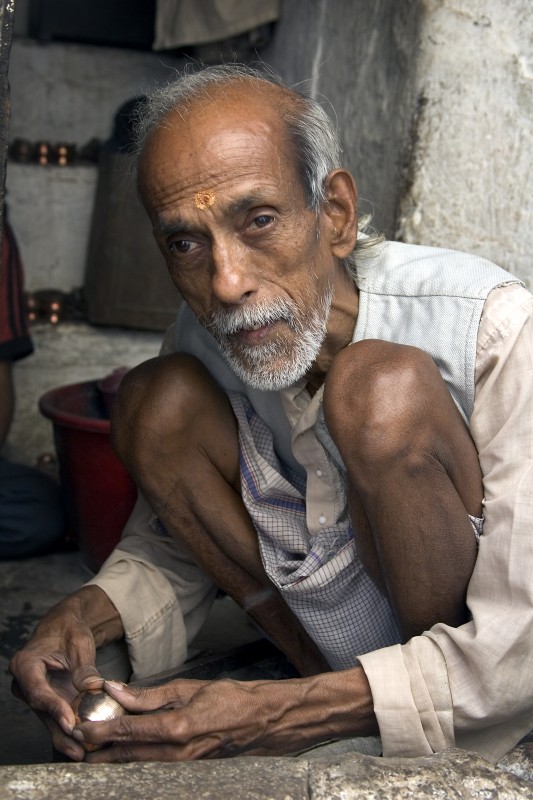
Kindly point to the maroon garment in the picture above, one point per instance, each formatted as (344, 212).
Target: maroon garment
(15, 341)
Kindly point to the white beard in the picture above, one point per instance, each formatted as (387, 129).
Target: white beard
(277, 364)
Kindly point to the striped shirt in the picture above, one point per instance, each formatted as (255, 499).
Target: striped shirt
(319, 574)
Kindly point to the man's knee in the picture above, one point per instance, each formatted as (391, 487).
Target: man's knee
(377, 400)
(160, 405)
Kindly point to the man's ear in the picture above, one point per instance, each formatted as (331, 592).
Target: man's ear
(340, 209)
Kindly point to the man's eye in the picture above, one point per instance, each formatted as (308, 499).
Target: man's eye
(262, 220)
(181, 246)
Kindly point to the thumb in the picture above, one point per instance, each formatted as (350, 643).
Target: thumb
(81, 657)
(86, 676)
(135, 699)
(139, 699)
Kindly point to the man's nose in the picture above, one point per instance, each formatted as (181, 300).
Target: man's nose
(234, 278)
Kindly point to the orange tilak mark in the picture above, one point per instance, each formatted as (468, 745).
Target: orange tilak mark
(203, 200)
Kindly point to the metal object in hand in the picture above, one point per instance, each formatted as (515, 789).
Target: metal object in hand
(96, 706)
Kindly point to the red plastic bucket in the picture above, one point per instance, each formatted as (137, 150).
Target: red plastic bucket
(99, 493)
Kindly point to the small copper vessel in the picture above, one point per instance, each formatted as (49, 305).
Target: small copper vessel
(95, 705)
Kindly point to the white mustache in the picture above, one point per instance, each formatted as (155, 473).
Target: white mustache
(226, 323)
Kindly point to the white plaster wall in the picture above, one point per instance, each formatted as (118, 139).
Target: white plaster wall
(65, 93)
(50, 209)
(471, 163)
(70, 92)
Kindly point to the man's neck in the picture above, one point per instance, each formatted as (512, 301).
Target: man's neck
(341, 324)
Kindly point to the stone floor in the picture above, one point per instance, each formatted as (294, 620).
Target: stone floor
(28, 588)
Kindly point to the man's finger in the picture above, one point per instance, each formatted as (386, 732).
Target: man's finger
(40, 696)
(81, 660)
(161, 727)
(138, 699)
(61, 742)
(48, 686)
(86, 677)
(136, 751)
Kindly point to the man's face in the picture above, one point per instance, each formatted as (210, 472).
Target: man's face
(230, 217)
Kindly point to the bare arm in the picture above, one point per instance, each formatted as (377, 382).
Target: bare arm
(215, 719)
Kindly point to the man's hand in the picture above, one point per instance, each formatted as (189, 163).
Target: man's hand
(192, 719)
(59, 661)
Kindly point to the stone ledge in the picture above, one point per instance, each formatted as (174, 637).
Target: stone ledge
(453, 774)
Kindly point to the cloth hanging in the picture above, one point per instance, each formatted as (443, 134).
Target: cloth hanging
(180, 23)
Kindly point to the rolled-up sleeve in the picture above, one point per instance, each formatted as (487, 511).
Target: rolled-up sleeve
(161, 594)
(472, 686)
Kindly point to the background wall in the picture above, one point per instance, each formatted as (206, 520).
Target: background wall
(434, 99)
(470, 167)
(66, 93)
(354, 56)
(359, 58)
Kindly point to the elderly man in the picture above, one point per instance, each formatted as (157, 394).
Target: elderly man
(330, 421)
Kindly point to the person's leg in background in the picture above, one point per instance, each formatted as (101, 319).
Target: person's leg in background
(32, 515)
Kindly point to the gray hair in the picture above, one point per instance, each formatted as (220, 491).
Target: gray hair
(315, 139)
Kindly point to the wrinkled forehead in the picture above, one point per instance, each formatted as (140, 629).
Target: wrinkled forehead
(241, 109)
